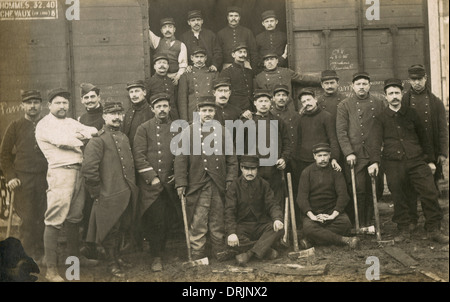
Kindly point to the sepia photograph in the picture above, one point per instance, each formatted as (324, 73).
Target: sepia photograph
(224, 146)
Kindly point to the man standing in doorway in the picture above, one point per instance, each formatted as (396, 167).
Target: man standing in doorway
(199, 37)
(233, 34)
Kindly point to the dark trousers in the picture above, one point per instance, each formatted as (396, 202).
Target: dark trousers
(412, 195)
(262, 233)
(111, 243)
(329, 232)
(401, 175)
(30, 204)
(155, 224)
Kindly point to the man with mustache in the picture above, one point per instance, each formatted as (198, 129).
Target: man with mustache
(329, 101)
(154, 163)
(160, 82)
(90, 98)
(204, 179)
(400, 143)
(140, 110)
(194, 84)
(273, 75)
(432, 113)
(233, 34)
(174, 49)
(61, 138)
(271, 39)
(280, 99)
(253, 218)
(322, 197)
(225, 111)
(24, 167)
(203, 38)
(264, 119)
(241, 79)
(354, 121)
(108, 172)
(314, 126)
(331, 96)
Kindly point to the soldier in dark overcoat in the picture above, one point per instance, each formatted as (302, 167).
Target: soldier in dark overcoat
(154, 164)
(108, 171)
(202, 175)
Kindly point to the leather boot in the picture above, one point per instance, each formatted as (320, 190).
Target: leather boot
(73, 245)
(113, 266)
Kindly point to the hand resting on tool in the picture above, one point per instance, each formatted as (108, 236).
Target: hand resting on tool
(233, 240)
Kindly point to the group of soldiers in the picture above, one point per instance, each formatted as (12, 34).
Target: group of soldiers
(119, 175)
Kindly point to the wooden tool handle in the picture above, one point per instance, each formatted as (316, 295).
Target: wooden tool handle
(375, 208)
(186, 229)
(355, 200)
(292, 210)
(11, 211)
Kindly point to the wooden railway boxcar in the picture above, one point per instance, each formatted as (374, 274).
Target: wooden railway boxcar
(57, 43)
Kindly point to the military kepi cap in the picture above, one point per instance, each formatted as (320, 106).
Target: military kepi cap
(88, 87)
(321, 147)
(261, 92)
(239, 46)
(268, 14)
(58, 92)
(360, 75)
(393, 82)
(234, 9)
(199, 50)
(249, 161)
(269, 54)
(416, 71)
(207, 100)
(137, 83)
(329, 75)
(30, 95)
(165, 21)
(160, 56)
(280, 87)
(306, 91)
(159, 97)
(112, 106)
(222, 81)
(194, 14)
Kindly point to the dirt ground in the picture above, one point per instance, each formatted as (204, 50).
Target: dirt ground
(342, 264)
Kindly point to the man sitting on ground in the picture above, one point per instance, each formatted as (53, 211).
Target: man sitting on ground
(322, 197)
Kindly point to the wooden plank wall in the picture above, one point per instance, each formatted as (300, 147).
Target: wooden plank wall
(108, 48)
(33, 56)
(105, 47)
(387, 47)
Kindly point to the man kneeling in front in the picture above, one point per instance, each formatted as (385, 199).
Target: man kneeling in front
(252, 215)
(322, 197)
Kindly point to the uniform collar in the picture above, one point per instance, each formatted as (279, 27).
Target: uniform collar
(108, 128)
(317, 168)
(160, 122)
(139, 106)
(98, 109)
(315, 112)
(391, 112)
